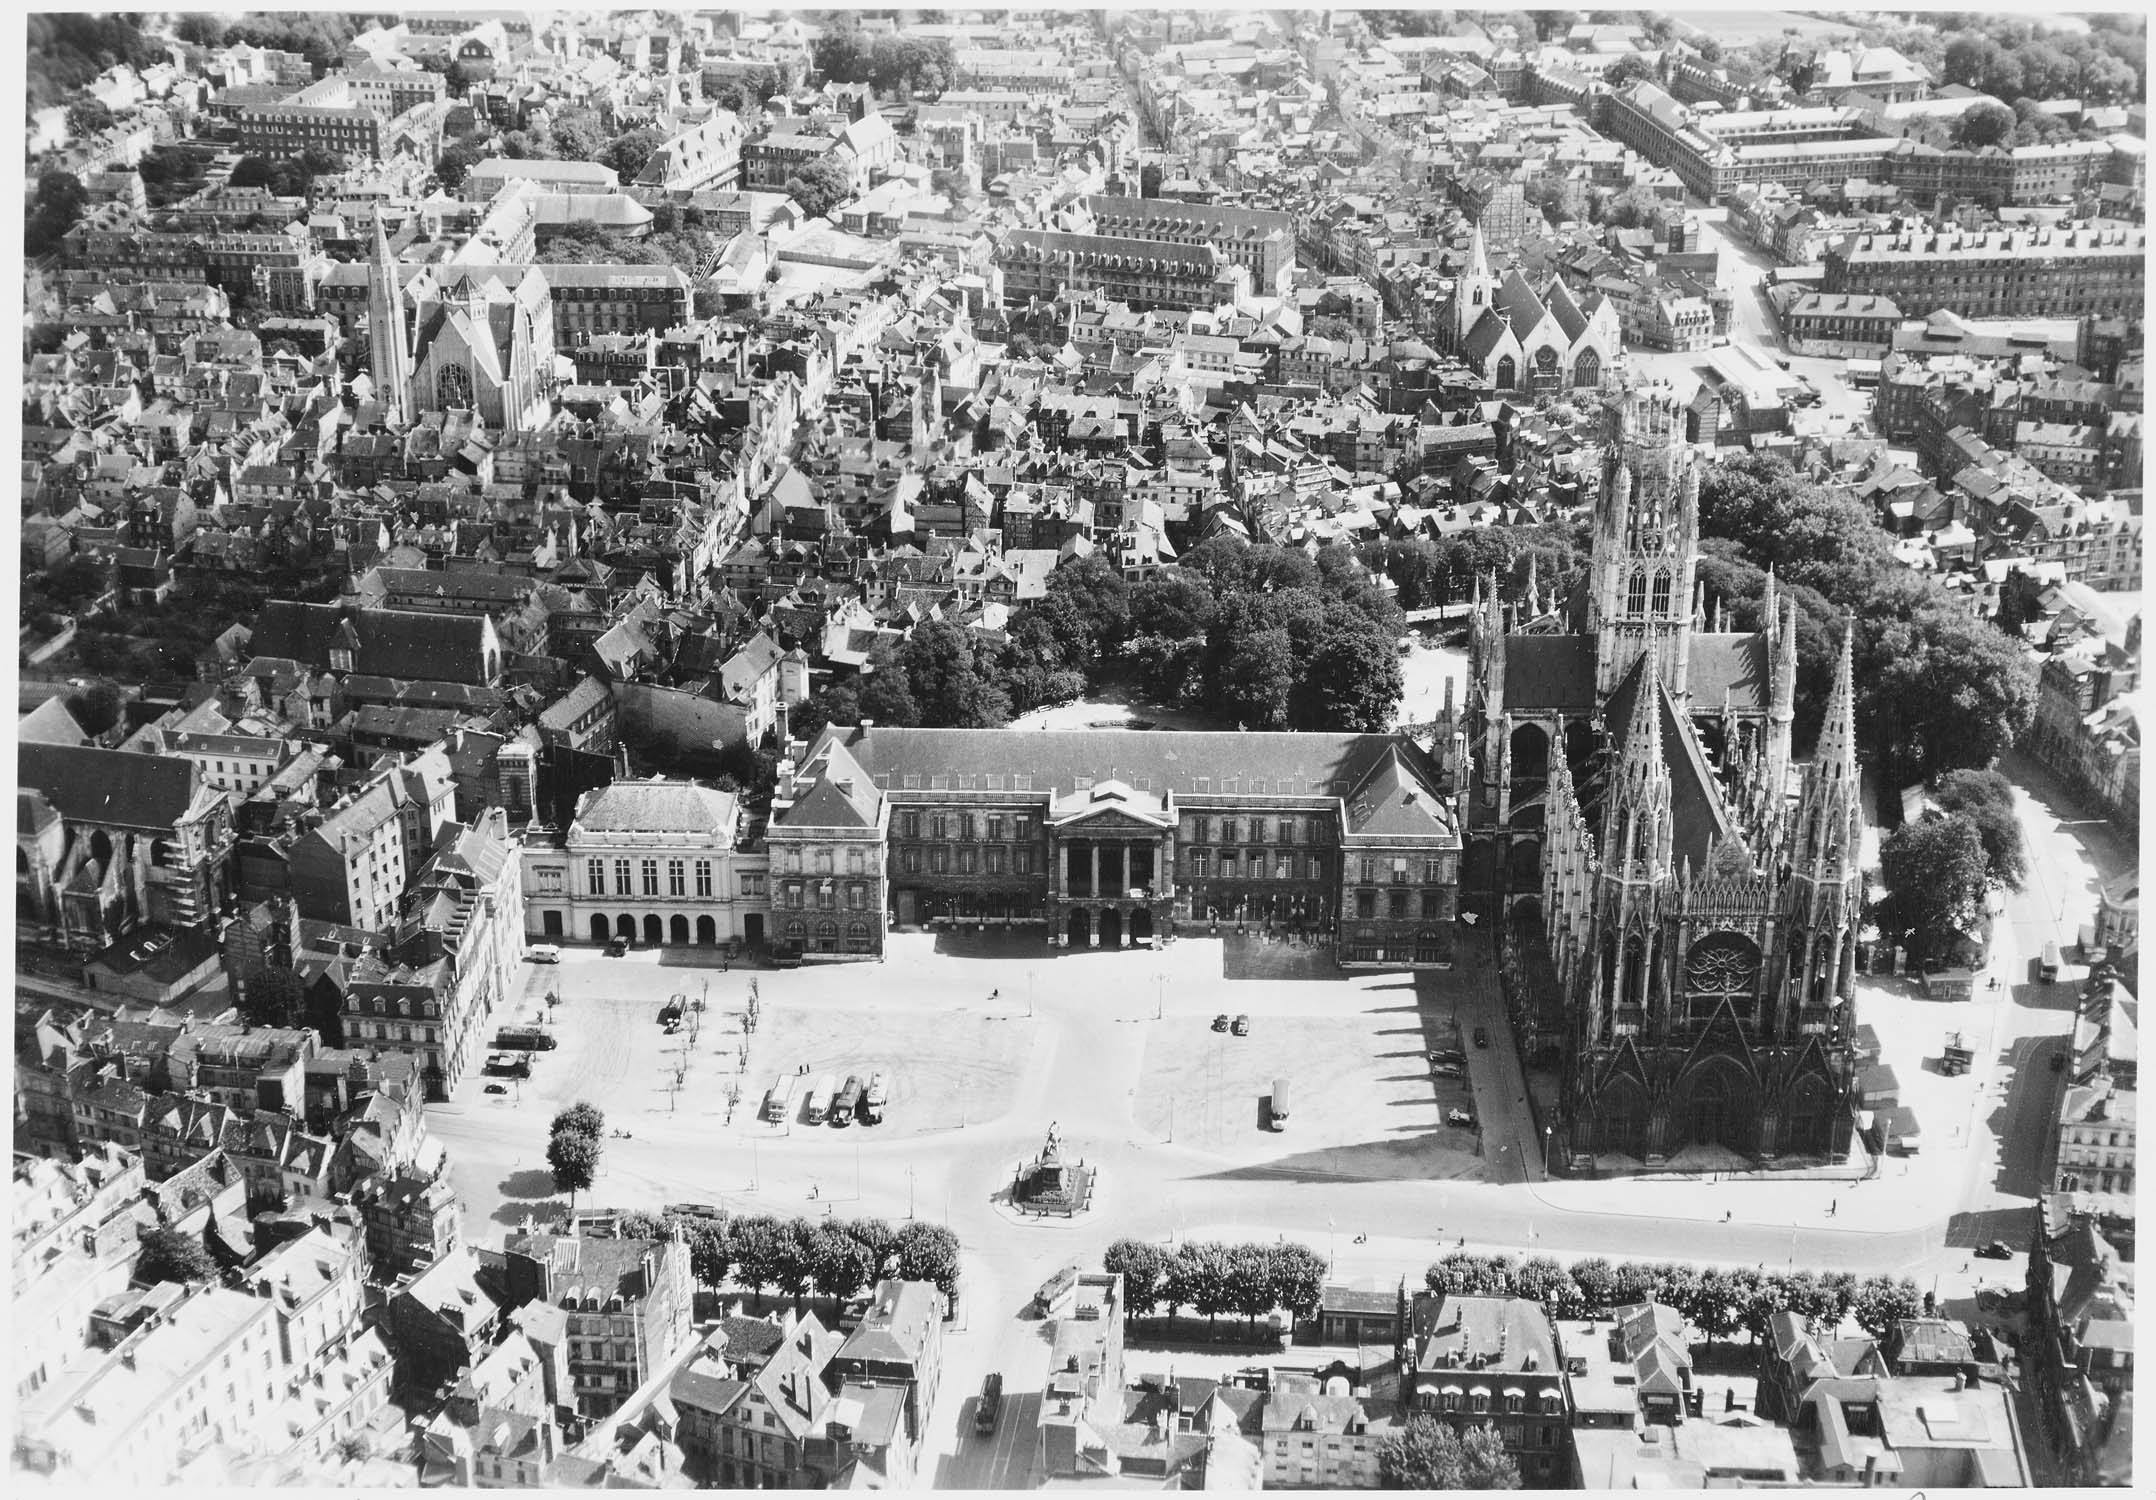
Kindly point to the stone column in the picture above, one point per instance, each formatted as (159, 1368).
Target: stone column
(1093, 849)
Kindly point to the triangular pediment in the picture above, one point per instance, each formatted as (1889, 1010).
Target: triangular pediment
(1111, 804)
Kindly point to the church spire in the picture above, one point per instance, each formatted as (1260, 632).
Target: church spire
(1637, 834)
(389, 352)
(1829, 810)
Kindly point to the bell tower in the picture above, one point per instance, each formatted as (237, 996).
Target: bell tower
(1646, 546)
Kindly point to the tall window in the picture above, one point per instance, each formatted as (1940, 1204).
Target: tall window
(651, 877)
(595, 876)
(621, 877)
(1661, 591)
(1636, 593)
(677, 883)
(703, 877)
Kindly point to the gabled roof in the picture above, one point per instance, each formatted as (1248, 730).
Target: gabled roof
(116, 788)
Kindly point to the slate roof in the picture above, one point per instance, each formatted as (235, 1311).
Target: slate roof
(1393, 801)
(388, 642)
(1735, 663)
(1549, 673)
(117, 788)
(1698, 820)
(1287, 764)
(657, 806)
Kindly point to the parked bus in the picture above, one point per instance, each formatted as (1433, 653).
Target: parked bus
(873, 1099)
(819, 1105)
(991, 1403)
(523, 1039)
(848, 1102)
(1279, 1104)
(2047, 968)
(777, 1096)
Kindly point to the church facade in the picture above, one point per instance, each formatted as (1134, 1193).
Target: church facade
(1633, 789)
(1532, 342)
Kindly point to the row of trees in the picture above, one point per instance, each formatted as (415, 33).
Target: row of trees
(1937, 689)
(835, 1257)
(1427, 1453)
(1212, 1278)
(1718, 1301)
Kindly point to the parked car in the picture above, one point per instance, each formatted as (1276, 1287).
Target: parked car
(1220, 1022)
(542, 953)
(497, 1088)
(1996, 1250)
(1448, 1070)
(1241, 1026)
(1482, 1038)
(617, 947)
(2058, 1062)
(1461, 1118)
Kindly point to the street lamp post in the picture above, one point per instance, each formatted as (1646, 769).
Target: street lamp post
(1159, 980)
(1546, 1135)
(1029, 994)
(909, 1192)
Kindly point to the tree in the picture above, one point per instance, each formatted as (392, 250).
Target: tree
(1258, 673)
(172, 1255)
(456, 162)
(1353, 682)
(1424, 1453)
(583, 1118)
(1986, 800)
(1250, 1281)
(199, 29)
(1144, 1267)
(842, 55)
(1984, 123)
(755, 1244)
(58, 206)
(1596, 1279)
(819, 185)
(1202, 1278)
(574, 1158)
(928, 1252)
(1297, 1276)
(947, 681)
(840, 1263)
(710, 1253)
(96, 706)
(628, 152)
(1936, 876)
(87, 116)
(1883, 1301)
(1543, 1279)
(885, 691)
(576, 136)
(1939, 689)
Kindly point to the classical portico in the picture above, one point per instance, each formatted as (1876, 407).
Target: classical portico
(1112, 857)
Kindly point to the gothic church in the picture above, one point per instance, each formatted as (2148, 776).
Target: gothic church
(1632, 770)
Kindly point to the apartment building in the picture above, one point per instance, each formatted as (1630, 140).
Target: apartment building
(170, 1371)
(2095, 1161)
(751, 1400)
(1492, 1361)
(627, 1303)
(1043, 264)
(1261, 241)
(1998, 273)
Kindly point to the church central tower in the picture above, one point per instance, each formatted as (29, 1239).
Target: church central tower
(1646, 545)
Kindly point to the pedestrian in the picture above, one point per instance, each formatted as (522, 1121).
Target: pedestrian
(1832, 1205)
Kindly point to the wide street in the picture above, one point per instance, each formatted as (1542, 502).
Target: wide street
(1070, 1039)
